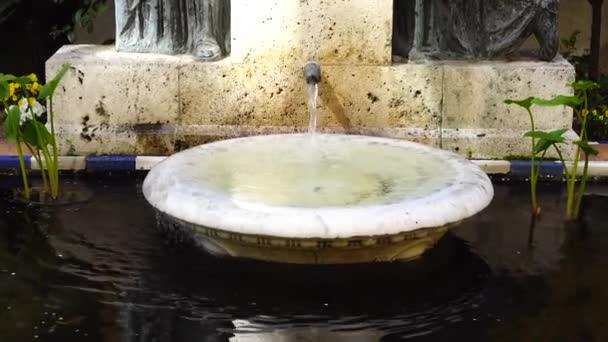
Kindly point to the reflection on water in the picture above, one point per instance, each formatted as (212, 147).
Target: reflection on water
(98, 271)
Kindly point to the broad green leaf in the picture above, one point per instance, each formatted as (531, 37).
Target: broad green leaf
(36, 134)
(7, 77)
(590, 151)
(546, 139)
(525, 103)
(23, 80)
(4, 89)
(561, 100)
(11, 125)
(49, 88)
(553, 136)
(44, 132)
(584, 85)
(541, 146)
(29, 133)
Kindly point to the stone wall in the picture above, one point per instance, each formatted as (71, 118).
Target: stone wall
(575, 16)
(146, 104)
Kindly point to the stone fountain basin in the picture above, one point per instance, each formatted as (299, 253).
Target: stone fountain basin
(322, 198)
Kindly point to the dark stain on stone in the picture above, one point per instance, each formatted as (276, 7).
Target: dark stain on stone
(417, 93)
(101, 110)
(372, 97)
(188, 141)
(153, 145)
(396, 103)
(80, 76)
(147, 128)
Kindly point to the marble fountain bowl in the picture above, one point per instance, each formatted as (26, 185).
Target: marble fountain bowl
(318, 199)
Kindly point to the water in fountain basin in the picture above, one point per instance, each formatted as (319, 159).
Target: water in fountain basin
(313, 93)
(320, 172)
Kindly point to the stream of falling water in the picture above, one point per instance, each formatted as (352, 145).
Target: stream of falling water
(313, 93)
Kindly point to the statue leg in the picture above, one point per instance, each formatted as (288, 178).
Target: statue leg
(206, 45)
(546, 30)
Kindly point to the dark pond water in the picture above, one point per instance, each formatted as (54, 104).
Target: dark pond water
(98, 271)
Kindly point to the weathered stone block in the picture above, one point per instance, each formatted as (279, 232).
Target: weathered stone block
(107, 94)
(474, 94)
(117, 103)
(350, 97)
(353, 32)
(496, 143)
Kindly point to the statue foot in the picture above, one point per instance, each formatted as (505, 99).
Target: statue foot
(208, 50)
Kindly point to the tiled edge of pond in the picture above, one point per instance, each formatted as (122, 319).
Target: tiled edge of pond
(597, 168)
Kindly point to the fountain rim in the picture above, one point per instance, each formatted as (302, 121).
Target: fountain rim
(469, 195)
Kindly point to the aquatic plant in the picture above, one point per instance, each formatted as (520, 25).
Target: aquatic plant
(534, 168)
(542, 141)
(22, 99)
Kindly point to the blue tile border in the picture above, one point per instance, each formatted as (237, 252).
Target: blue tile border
(522, 167)
(12, 162)
(133, 163)
(110, 163)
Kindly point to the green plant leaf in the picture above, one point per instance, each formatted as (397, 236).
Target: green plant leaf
(34, 129)
(11, 125)
(541, 146)
(525, 103)
(546, 139)
(4, 89)
(584, 145)
(554, 136)
(560, 100)
(7, 77)
(49, 88)
(29, 133)
(584, 85)
(23, 80)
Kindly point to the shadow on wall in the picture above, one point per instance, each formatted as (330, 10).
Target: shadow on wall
(35, 26)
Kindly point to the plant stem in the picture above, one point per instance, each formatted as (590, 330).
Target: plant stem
(36, 155)
(49, 165)
(561, 158)
(533, 177)
(581, 188)
(571, 214)
(26, 187)
(55, 166)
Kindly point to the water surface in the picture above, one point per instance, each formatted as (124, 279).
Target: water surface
(98, 271)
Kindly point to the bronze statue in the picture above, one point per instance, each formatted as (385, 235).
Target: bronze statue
(197, 27)
(473, 29)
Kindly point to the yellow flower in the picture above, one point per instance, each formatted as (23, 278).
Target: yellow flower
(33, 77)
(36, 87)
(585, 112)
(594, 112)
(31, 100)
